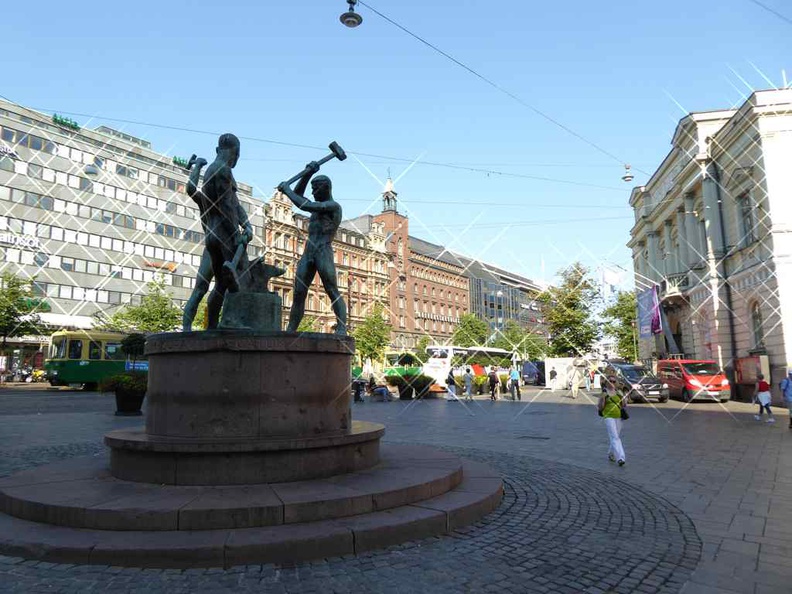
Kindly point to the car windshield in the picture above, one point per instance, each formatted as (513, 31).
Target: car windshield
(636, 373)
(701, 368)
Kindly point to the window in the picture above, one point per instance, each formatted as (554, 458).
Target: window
(94, 350)
(112, 351)
(747, 220)
(75, 349)
(757, 325)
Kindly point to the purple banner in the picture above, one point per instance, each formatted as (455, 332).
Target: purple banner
(648, 313)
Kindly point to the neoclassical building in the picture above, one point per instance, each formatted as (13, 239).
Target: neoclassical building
(713, 233)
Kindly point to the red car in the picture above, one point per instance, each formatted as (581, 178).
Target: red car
(690, 379)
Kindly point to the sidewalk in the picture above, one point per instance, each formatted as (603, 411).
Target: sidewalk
(706, 466)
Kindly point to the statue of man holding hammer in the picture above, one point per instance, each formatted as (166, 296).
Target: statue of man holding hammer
(318, 254)
(222, 217)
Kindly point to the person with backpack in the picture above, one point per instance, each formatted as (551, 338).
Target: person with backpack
(786, 390)
(494, 380)
(763, 397)
(612, 406)
(451, 385)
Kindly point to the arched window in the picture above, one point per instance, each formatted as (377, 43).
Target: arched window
(756, 325)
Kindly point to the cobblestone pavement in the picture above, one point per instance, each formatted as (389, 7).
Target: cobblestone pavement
(703, 504)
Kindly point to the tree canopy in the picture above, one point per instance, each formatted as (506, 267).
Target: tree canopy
(372, 335)
(18, 307)
(621, 322)
(471, 331)
(568, 311)
(515, 338)
(156, 313)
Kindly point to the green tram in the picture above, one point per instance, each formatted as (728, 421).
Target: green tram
(84, 357)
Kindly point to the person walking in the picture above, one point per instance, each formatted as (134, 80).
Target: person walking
(612, 406)
(468, 379)
(553, 376)
(451, 386)
(514, 378)
(575, 385)
(763, 397)
(494, 380)
(786, 391)
(589, 379)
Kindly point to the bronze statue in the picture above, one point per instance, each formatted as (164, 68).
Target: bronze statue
(318, 254)
(222, 216)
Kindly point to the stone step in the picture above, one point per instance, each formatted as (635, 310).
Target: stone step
(81, 493)
(479, 493)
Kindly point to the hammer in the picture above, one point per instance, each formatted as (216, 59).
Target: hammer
(335, 152)
(230, 268)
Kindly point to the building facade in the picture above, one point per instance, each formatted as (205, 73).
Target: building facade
(427, 291)
(713, 234)
(93, 215)
(360, 258)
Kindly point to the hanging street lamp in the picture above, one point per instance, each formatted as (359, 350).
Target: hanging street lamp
(350, 18)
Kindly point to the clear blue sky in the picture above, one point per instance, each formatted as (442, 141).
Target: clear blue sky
(615, 72)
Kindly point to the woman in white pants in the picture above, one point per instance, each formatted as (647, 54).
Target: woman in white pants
(610, 407)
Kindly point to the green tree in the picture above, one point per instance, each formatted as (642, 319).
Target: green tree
(471, 331)
(156, 313)
(307, 324)
(18, 308)
(372, 335)
(420, 347)
(620, 323)
(568, 312)
(514, 337)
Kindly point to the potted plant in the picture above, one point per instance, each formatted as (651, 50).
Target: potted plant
(403, 384)
(422, 384)
(129, 386)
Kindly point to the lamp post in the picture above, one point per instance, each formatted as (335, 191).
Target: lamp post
(635, 342)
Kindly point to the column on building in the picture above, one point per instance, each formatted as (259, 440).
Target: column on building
(668, 257)
(712, 215)
(654, 271)
(694, 250)
(682, 257)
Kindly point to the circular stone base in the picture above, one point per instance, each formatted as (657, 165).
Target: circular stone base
(424, 493)
(137, 456)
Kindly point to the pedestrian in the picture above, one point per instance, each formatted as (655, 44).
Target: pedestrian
(514, 378)
(468, 379)
(612, 406)
(763, 398)
(786, 390)
(575, 382)
(494, 380)
(553, 376)
(451, 385)
(358, 385)
(589, 379)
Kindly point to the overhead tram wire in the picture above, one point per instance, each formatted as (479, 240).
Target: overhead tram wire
(768, 9)
(320, 148)
(524, 223)
(499, 88)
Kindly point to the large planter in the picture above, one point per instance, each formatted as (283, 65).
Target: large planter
(129, 402)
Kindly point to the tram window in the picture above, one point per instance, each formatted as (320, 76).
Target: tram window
(113, 351)
(58, 348)
(75, 349)
(94, 350)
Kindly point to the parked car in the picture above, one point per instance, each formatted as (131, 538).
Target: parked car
(533, 373)
(636, 381)
(690, 379)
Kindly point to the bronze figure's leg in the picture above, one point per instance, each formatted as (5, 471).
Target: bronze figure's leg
(201, 287)
(306, 270)
(327, 272)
